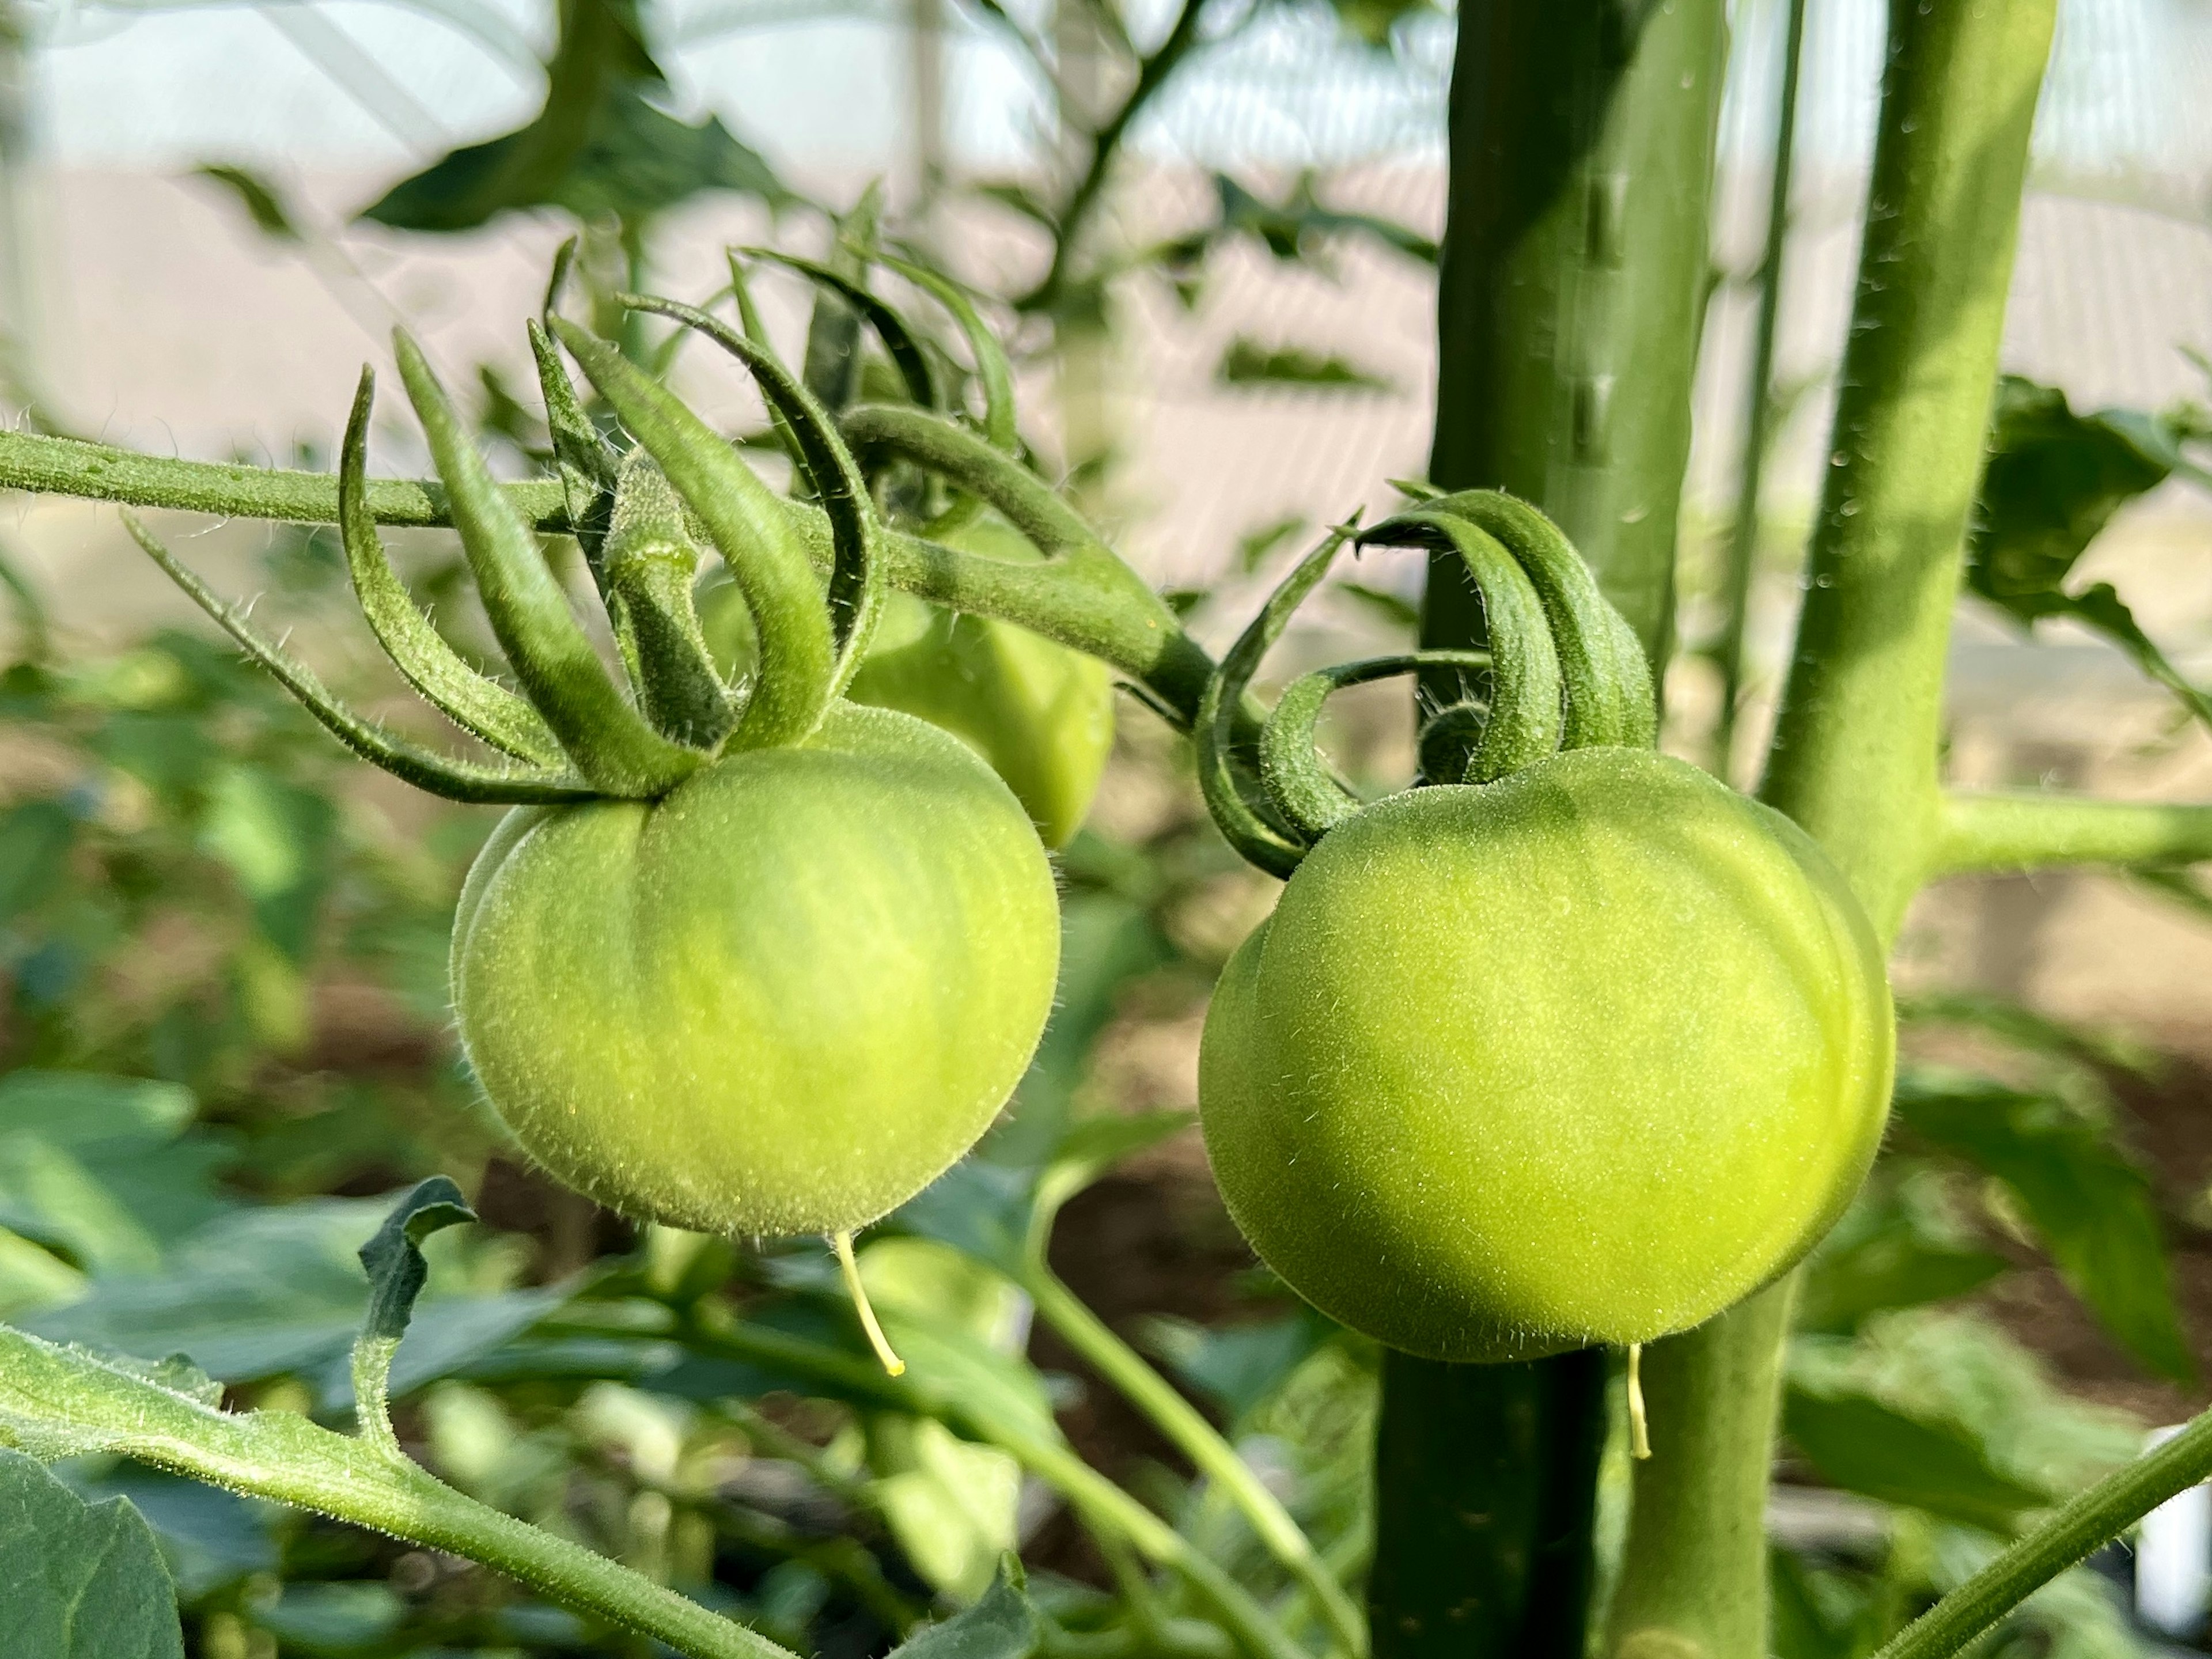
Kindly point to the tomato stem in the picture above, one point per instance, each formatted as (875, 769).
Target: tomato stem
(842, 1243)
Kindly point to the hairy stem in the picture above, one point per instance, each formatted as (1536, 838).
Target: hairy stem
(2094, 1518)
(1854, 755)
(2030, 830)
(1698, 1528)
(1192, 1434)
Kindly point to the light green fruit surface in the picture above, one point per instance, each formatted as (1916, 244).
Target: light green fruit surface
(1585, 1055)
(1041, 713)
(783, 999)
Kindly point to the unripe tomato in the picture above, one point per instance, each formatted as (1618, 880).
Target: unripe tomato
(1041, 713)
(1582, 1055)
(781, 999)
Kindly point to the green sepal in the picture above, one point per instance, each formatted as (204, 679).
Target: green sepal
(992, 370)
(651, 565)
(756, 329)
(435, 773)
(481, 707)
(1222, 773)
(899, 340)
(1525, 701)
(831, 367)
(945, 447)
(856, 588)
(611, 744)
(1302, 788)
(397, 1272)
(747, 524)
(587, 463)
(1605, 677)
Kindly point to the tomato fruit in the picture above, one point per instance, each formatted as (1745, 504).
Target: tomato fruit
(1041, 713)
(1585, 1054)
(783, 998)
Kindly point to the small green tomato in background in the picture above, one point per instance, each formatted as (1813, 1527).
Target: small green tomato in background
(1583, 1055)
(1041, 715)
(781, 999)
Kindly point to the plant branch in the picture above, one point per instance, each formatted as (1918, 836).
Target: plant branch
(2026, 830)
(1197, 1439)
(1152, 73)
(1095, 604)
(56, 1401)
(2095, 1517)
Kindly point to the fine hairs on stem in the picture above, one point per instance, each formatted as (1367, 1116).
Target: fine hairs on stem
(1639, 1424)
(842, 1243)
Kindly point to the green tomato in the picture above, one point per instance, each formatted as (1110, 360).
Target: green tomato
(1041, 713)
(782, 998)
(1583, 1055)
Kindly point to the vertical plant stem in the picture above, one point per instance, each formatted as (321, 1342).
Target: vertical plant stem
(1574, 261)
(1697, 1533)
(1761, 409)
(1573, 272)
(1854, 755)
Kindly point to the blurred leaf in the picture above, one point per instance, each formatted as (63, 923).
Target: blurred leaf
(334, 1618)
(1021, 200)
(1804, 1624)
(47, 1196)
(950, 1503)
(107, 1164)
(600, 146)
(1883, 1255)
(263, 202)
(1240, 1367)
(1003, 1625)
(84, 1581)
(2089, 1203)
(2024, 1028)
(35, 837)
(1107, 943)
(1865, 1445)
(1297, 230)
(1394, 609)
(2053, 482)
(279, 1292)
(1256, 547)
(1370, 21)
(1248, 362)
(280, 840)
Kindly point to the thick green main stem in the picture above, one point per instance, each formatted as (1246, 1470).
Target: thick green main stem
(1854, 757)
(1573, 263)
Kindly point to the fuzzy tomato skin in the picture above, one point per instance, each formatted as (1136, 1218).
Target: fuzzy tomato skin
(1583, 1055)
(782, 998)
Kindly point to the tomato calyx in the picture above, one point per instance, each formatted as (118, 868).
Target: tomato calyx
(1561, 670)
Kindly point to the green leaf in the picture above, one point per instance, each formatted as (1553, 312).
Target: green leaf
(1256, 547)
(35, 838)
(279, 1292)
(1003, 1625)
(2088, 1201)
(1241, 1367)
(84, 1581)
(599, 145)
(1867, 1445)
(1248, 362)
(393, 1258)
(263, 202)
(212, 1539)
(1883, 1255)
(1296, 229)
(2054, 480)
(397, 1272)
(1394, 609)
